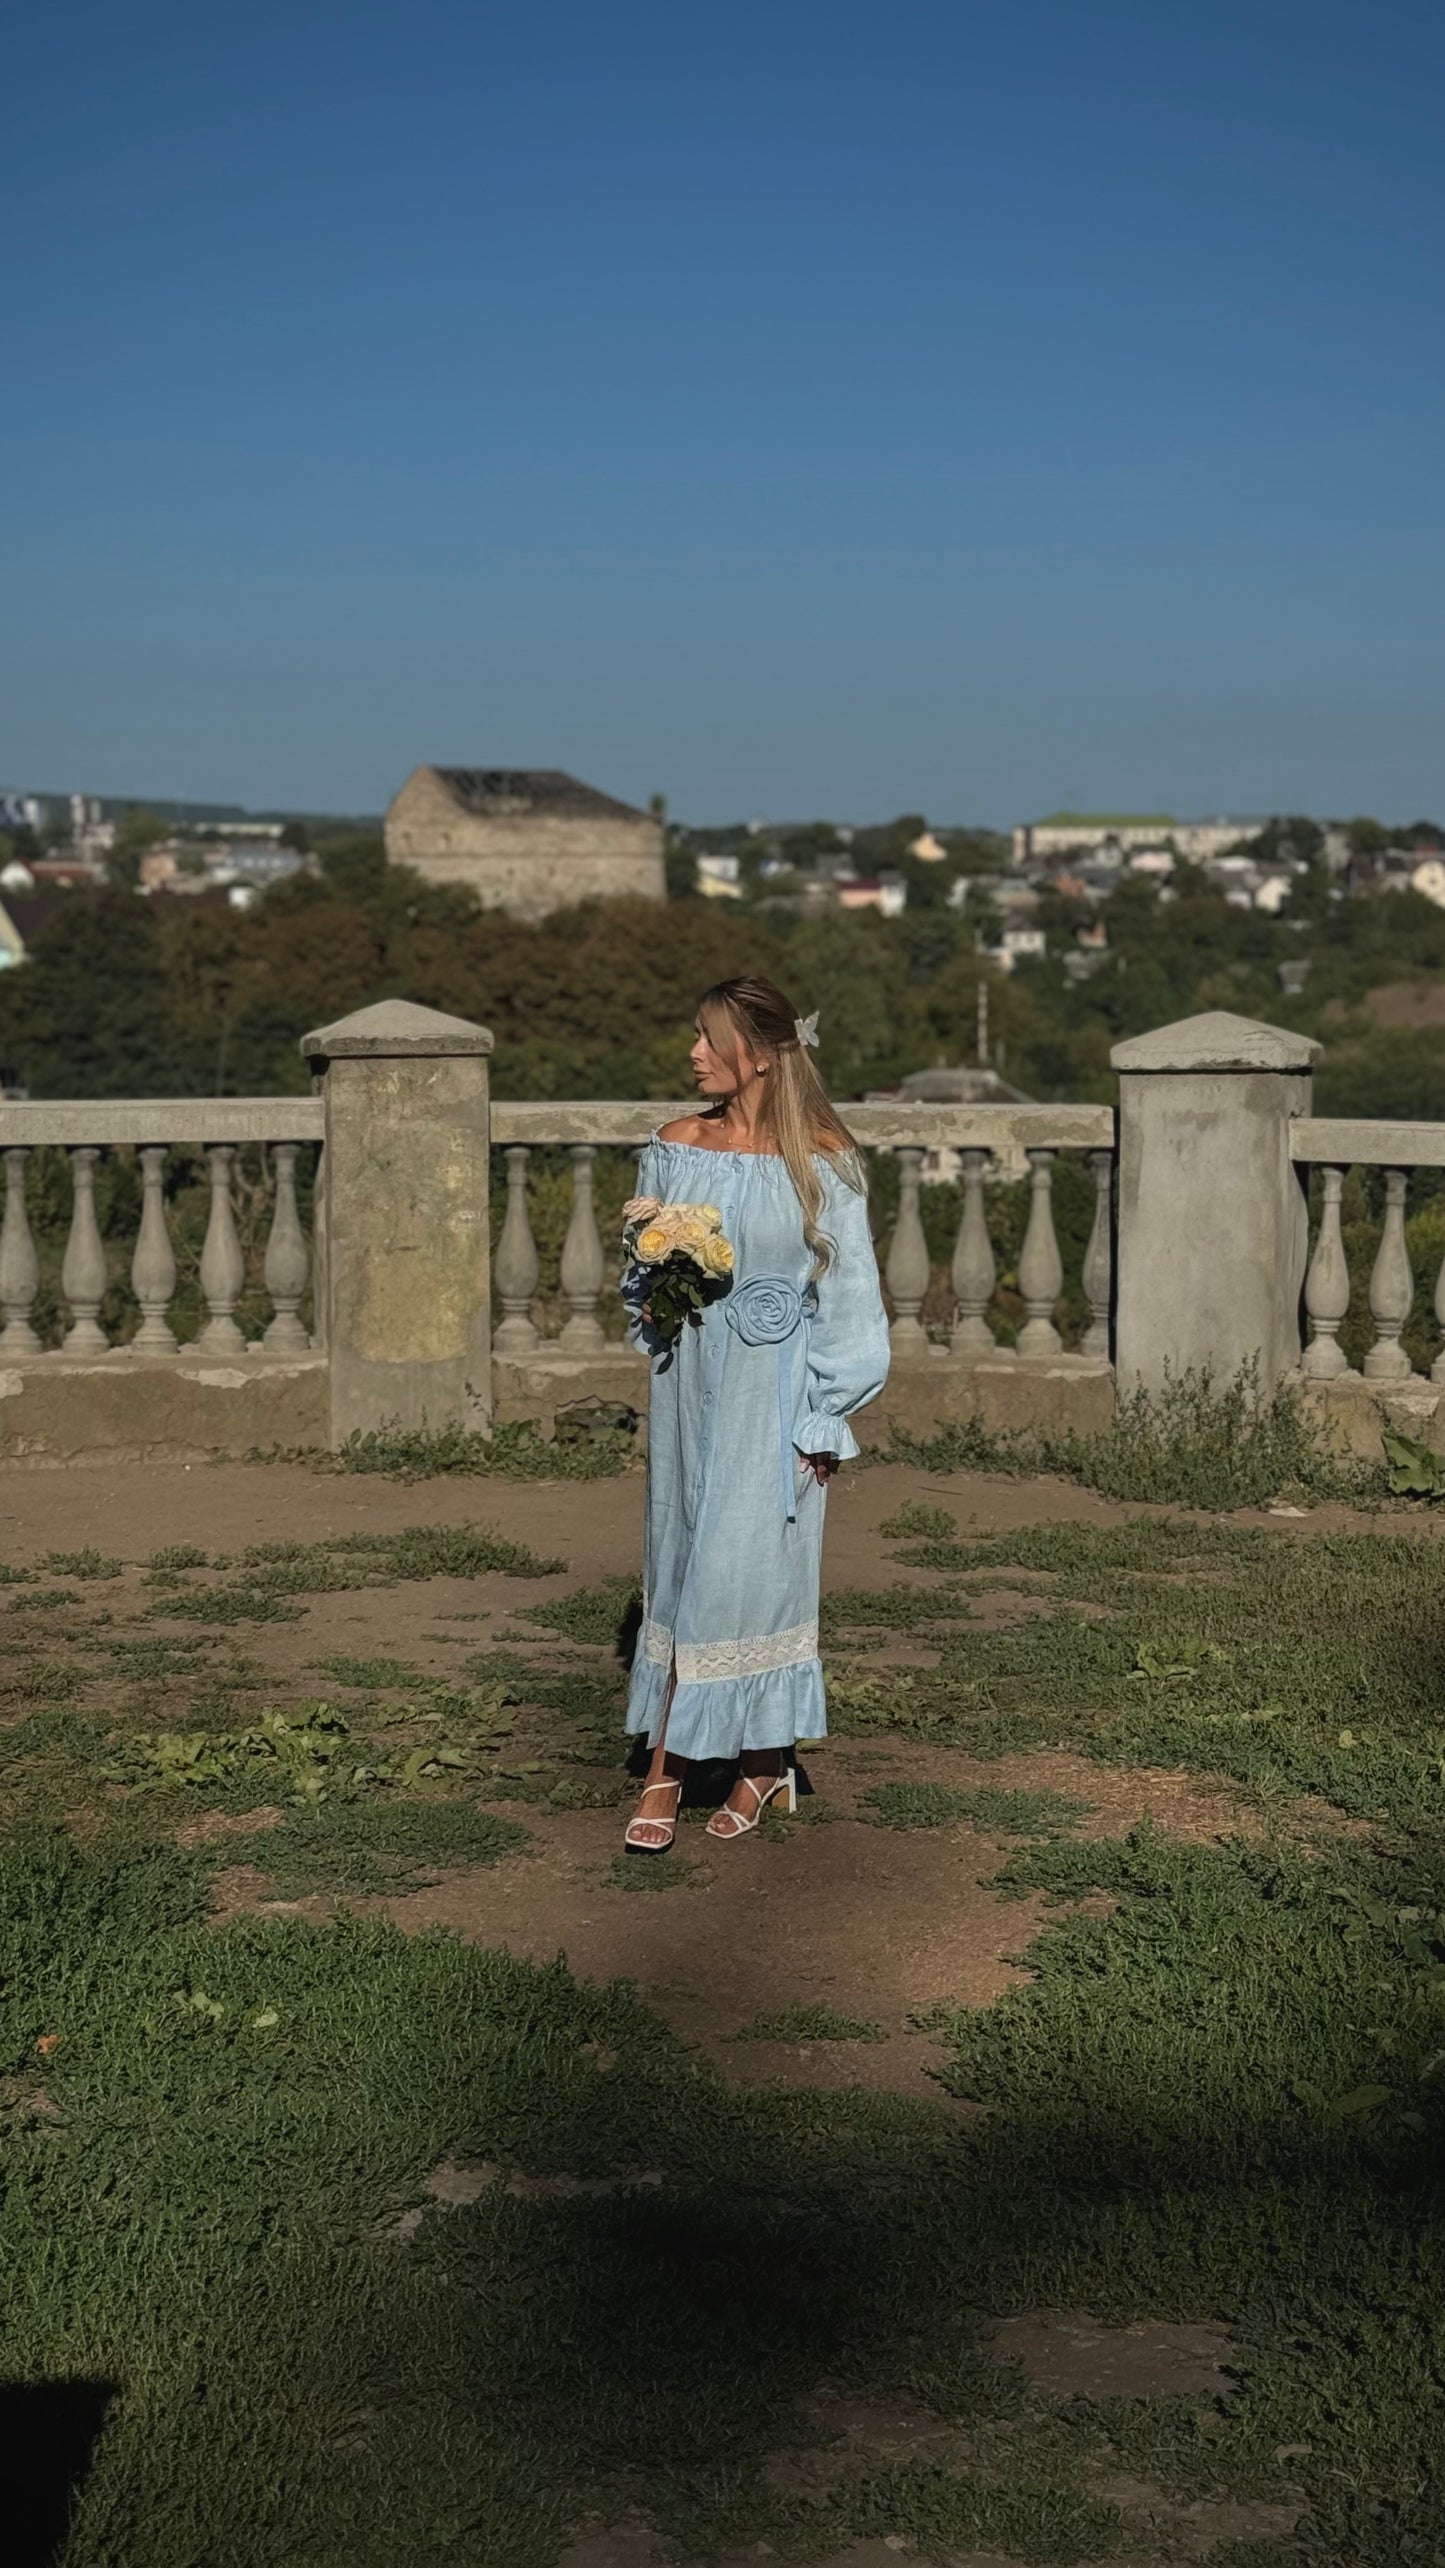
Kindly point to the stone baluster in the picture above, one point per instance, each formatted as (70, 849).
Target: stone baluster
(1041, 1269)
(974, 1270)
(287, 1264)
(1437, 1369)
(223, 1270)
(583, 1266)
(907, 1269)
(1392, 1288)
(82, 1273)
(515, 1270)
(1099, 1256)
(1327, 1287)
(19, 1266)
(153, 1267)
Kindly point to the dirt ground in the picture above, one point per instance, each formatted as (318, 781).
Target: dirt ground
(827, 1909)
(874, 1923)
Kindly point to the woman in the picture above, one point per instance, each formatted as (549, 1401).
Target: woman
(749, 1415)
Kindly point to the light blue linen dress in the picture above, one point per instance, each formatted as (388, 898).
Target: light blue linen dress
(734, 1533)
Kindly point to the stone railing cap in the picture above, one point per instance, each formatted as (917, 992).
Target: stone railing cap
(1217, 1041)
(393, 1029)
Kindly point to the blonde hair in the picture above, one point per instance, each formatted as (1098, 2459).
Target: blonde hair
(797, 1116)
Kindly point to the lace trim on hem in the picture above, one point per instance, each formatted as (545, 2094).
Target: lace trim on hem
(714, 1662)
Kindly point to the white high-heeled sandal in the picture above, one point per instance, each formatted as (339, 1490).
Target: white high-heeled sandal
(785, 1783)
(649, 1845)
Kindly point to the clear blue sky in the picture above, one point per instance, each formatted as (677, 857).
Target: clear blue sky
(800, 407)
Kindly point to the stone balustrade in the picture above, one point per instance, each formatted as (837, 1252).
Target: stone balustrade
(151, 1128)
(982, 1135)
(1335, 1146)
(1199, 1255)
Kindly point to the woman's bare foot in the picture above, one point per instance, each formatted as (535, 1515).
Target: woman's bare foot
(744, 1804)
(653, 1825)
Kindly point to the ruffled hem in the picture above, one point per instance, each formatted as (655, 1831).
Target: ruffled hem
(822, 1433)
(721, 1719)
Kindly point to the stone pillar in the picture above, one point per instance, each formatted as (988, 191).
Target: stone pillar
(1212, 1234)
(407, 1281)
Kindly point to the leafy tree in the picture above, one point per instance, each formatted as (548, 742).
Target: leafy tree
(679, 866)
(21, 845)
(136, 833)
(296, 835)
(354, 864)
(89, 1013)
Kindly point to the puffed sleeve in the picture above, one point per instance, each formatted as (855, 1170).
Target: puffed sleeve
(848, 1338)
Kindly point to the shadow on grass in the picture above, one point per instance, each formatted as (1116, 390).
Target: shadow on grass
(48, 2431)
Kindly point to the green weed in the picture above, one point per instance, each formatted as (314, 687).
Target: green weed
(381, 1846)
(939, 1805)
(377, 1673)
(1196, 1443)
(653, 1872)
(913, 1517)
(818, 2023)
(273, 1575)
(515, 1452)
(83, 1564)
(596, 1615)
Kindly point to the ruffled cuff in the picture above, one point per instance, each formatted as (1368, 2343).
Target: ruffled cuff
(820, 1433)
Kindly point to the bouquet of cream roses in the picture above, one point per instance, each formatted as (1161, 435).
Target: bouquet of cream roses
(679, 1262)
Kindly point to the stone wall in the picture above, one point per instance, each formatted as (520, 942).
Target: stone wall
(122, 1408)
(528, 863)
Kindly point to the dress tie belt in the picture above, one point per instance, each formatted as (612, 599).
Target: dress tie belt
(769, 1311)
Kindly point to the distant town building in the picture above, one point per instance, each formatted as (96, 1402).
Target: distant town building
(887, 893)
(928, 850)
(1016, 945)
(528, 840)
(92, 837)
(719, 878)
(1065, 833)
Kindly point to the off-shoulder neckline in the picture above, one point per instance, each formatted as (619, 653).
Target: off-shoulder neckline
(705, 1150)
(702, 1150)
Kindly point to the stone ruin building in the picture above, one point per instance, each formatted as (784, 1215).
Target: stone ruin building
(525, 839)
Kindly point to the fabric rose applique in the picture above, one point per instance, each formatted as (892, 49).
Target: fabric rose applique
(678, 1262)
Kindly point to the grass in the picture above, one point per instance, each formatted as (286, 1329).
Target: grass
(272, 1575)
(1217, 2100)
(513, 1452)
(1196, 1443)
(1001, 1813)
(377, 1673)
(376, 1847)
(652, 1872)
(594, 1615)
(811, 2024)
(1291, 1665)
(1219, 2094)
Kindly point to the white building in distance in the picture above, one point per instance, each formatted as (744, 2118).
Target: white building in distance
(1067, 833)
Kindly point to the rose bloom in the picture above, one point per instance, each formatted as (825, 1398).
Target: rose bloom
(652, 1244)
(709, 1213)
(717, 1254)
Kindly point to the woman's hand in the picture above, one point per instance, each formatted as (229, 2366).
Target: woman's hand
(821, 1465)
